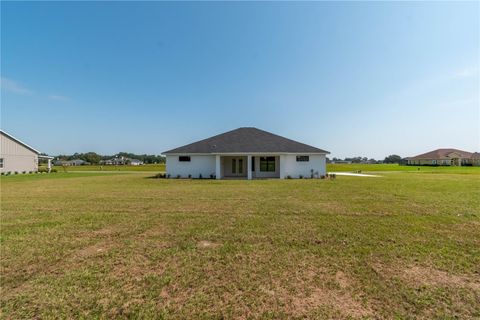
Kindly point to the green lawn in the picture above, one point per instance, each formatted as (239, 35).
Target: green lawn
(113, 245)
(395, 167)
(330, 168)
(145, 167)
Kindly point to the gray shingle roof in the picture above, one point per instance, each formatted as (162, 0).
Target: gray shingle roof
(441, 154)
(246, 140)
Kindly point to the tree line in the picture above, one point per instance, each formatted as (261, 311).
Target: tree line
(95, 158)
(393, 158)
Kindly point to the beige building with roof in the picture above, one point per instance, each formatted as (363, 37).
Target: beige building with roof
(17, 156)
(445, 157)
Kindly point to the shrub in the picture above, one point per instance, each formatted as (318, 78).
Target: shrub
(178, 176)
(168, 176)
(288, 177)
(311, 173)
(8, 173)
(3, 173)
(300, 176)
(322, 177)
(189, 176)
(30, 172)
(212, 176)
(200, 176)
(16, 172)
(160, 176)
(53, 170)
(24, 172)
(42, 169)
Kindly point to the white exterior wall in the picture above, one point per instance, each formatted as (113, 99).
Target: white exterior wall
(286, 165)
(199, 164)
(265, 174)
(16, 157)
(292, 167)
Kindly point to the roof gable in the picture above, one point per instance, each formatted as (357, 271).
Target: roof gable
(246, 140)
(442, 154)
(19, 141)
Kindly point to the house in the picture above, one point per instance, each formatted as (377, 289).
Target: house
(445, 157)
(17, 156)
(248, 153)
(135, 162)
(77, 162)
(74, 162)
(120, 161)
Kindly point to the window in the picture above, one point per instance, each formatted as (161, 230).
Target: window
(267, 164)
(184, 158)
(253, 163)
(303, 158)
(240, 166)
(1, 163)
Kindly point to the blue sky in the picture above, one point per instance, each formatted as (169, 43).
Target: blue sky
(366, 79)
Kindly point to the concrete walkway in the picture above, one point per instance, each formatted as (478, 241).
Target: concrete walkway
(355, 174)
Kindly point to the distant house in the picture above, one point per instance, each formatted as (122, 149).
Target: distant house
(120, 161)
(135, 162)
(74, 162)
(341, 162)
(77, 162)
(445, 157)
(246, 153)
(17, 156)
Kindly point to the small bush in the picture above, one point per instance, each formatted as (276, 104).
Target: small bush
(30, 172)
(200, 176)
(168, 176)
(212, 176)
(189, 176)
(24, 172)
(178, 176)
(53, 170)
(42, 169)
(16, 172)
(300, 176)
(288, 177)
(322, 177)
(3, 173)
(160, 176)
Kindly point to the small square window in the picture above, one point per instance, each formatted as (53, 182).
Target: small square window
(184, 158)
(1, 163)
(303, 158)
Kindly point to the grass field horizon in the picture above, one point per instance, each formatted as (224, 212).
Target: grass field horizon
(123, 245)
(330, 168)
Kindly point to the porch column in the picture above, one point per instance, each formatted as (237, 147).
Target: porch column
(49, 165)
(218, 167)
(282, 159)
(249, 167)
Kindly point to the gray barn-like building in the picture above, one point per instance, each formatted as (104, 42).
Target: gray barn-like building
(17, 156)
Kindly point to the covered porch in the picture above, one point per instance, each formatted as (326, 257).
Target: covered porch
(241, 166)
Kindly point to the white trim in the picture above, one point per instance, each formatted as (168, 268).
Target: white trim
(245, 153)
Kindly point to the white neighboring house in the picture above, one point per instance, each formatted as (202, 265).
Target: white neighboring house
(17, 156)
(135, 162)
(246, 153)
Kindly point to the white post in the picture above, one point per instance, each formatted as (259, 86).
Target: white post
(49, 165)
(282, 159)
(249, 167)
(218, 167)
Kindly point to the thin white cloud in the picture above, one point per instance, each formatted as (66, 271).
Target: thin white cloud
(57, 97)
(13, 86)
(466, 72)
